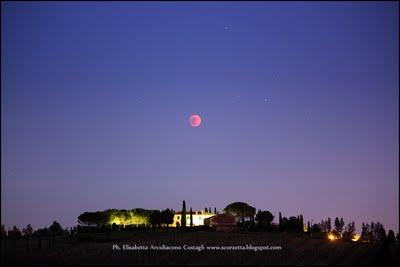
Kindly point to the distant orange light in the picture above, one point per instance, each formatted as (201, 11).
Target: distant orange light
(332, 237)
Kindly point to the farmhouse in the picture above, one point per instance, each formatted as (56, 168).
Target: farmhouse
(198, 218)
(221, 222)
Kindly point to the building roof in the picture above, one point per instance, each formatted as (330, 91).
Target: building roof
(222, 219)
(202, 212)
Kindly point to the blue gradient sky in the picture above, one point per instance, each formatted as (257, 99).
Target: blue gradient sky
(299, 104)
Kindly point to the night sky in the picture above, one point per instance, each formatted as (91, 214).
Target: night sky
(299, 107)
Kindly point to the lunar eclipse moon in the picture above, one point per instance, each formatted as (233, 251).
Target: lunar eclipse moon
(195, 120)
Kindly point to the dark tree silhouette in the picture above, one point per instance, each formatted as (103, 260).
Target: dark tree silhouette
(378, 233)
(115, 227)
(293, 224)
(241, 210)
(3, 232)
(191, 217)
(89, 218)
(375, 232)
(329, 225)
(391, 239)
(324, 225)
(167, 217)
(215, 210)
(366, 233)
(284, 224)
(280, 221)
(28, 230)
(41, 232)
(301, 223)
(15, 233)
(155, 219)
(348, 234)
(339, 224)
(315, 228)
(264, 219)
(55, 228)
(183, 217)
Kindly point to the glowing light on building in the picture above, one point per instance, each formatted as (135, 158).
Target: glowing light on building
(356, 237)
(198, 218)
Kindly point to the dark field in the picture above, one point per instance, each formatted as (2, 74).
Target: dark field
(296, 249)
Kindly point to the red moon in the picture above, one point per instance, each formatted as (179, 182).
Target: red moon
(195, 120)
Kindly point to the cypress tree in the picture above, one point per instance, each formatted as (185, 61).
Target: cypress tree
(337, 225)
(280, 221)
(301, 223)
(329, 225)
(183, 218)
(191, 217)
(341, 224)
(215, 210)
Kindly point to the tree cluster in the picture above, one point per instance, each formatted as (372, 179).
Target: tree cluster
(375, 232)
(291, 224)
(53, 230)
(161, 218)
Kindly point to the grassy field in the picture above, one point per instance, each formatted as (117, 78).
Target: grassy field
(296, 249)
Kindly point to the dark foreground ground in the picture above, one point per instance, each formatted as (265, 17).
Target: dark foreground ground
(295, 249)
